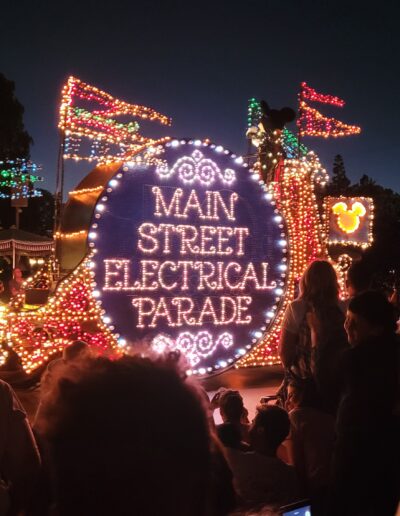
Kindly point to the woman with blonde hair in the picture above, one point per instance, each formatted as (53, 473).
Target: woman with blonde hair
(313, 326)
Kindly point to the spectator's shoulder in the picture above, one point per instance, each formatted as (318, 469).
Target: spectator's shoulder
(5, 390)
(9, 402)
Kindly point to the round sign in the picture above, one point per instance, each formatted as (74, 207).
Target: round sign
(189, 253)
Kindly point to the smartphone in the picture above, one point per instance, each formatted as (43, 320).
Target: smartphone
(302, 508)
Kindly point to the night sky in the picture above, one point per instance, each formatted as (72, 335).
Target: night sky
(199, 62)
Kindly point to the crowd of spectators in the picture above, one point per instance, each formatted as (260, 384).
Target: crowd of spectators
(135, 436)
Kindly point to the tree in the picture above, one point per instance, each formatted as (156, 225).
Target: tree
(340, 182)
(384, 255)
(15, 141)
(36, 218)
(366, 181)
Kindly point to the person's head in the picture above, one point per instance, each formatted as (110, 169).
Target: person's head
(369, 315)
(229, 434)
(78, 350)
(319, 284)
(127, 435)
(269, 429)
(17, 274)
(358, 279)
(231, 406)
(302, 392)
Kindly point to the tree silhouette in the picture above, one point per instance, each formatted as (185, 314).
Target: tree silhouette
(15, 141)
(382, 259)
(37, 217)
(366, 181)
(340, 182)
(384, 255)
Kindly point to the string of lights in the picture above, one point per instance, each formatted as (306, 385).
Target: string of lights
(99, 127)
(84, 191)
(74, 234)
(290, 142)
(310, 94)
(296, 200)
(71, 313)
(17, 178)
(314, 123)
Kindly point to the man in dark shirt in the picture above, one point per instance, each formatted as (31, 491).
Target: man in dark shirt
(366, 457)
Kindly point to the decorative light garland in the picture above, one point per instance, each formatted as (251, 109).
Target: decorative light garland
(84, 191)
(74, 234)
(314, 123)
(310, 94)
(290, 142)
(71, 313)
(296, 200)
(99, 126)
(194, 240)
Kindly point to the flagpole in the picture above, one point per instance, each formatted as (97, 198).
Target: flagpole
(300, 99)
(59, 193)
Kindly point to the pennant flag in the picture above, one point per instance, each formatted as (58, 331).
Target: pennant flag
(87, 112)
(313, 123)
(309, 93)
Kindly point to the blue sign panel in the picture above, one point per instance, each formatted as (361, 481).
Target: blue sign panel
(189, 254)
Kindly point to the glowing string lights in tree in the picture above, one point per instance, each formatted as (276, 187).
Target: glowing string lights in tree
(17, 178)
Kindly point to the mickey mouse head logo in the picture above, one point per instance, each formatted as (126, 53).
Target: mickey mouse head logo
(349, 220)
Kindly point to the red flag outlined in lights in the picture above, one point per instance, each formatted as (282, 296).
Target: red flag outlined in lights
(308, 93)
(313, 123)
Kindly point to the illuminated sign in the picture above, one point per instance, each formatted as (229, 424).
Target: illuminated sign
(349, 220)
(189, 254)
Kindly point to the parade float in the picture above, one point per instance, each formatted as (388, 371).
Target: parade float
(180, 244)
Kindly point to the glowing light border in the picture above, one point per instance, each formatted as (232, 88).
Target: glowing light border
(369, 221)
(256, 336)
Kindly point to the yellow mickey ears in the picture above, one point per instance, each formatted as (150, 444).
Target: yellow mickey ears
(340, 207)
(349, 220)
(358, 209)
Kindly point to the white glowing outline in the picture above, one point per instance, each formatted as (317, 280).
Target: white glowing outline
(195, 346)
(196, 168)
(161, 342)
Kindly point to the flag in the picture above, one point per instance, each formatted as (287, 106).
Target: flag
(308, 93)
(90, 113)
(313, 123)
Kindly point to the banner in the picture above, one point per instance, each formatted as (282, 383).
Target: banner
(313, 123)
